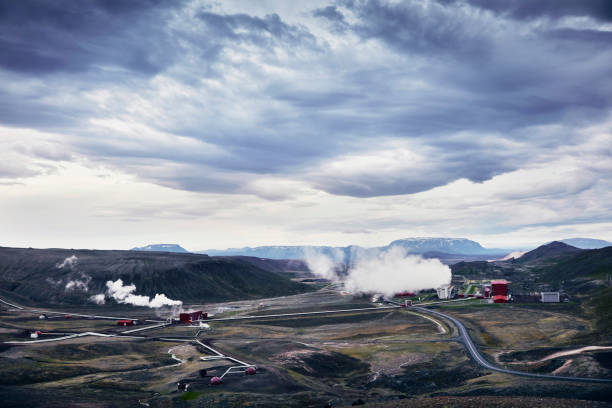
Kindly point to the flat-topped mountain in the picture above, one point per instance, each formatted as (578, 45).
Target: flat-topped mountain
(161, 248)
(444, 246)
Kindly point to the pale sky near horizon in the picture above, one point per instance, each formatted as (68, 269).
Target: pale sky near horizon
(243, 123)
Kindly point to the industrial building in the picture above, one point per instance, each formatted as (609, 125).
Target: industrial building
(192, 316)
(499, 291)
(550, 297)
(446, 292)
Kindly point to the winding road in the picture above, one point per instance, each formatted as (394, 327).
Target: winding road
(465, 338)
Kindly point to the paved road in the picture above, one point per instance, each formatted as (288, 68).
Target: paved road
(471, 347)
(298, 314)
(10, 304)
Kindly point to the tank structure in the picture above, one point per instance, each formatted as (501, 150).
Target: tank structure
(499, 291)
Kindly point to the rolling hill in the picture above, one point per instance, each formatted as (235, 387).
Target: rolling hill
(592, 263)
(553, 250)
(54, 276)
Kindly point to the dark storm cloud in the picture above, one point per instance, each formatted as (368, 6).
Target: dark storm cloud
(333, 15)
(329, 12)
(409, 26)
(265, 30)
(515, 79)
(40, 37)
(275, 100)
(528, 9)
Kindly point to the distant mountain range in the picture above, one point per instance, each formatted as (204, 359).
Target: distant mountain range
(161, 248)
(586, 243)
(429, 247)
(449, 250)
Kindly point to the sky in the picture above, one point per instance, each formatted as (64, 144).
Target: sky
(243, 123)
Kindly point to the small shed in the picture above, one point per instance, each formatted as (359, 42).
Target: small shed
(550, 297)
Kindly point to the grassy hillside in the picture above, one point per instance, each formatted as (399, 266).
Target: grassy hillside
(548, 263)
(555, 249)
(44, 276)
(594, 263)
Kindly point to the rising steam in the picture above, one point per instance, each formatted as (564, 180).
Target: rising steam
(322, 264)
(386, 272)
(125, 294)
(68, 262)
(98, 299)
(78, 284)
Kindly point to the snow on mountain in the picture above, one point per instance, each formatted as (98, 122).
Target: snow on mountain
(412, 245)
(161, 248)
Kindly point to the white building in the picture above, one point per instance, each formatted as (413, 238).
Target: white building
(445, 292)
(550, 297)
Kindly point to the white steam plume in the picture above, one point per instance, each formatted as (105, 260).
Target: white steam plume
(78, 284)
(124, 294)
(98, 299)
(68, 262)
(390, 271)
(321, 264)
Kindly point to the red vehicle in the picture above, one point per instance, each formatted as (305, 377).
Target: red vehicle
(460, 295)
(500, 299)
(126, 322)
(68, 316)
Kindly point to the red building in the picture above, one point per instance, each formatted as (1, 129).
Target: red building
(499, 291)
(192, 316)
(500, 287)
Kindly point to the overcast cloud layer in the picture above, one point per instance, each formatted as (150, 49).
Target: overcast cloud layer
(216, 124)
